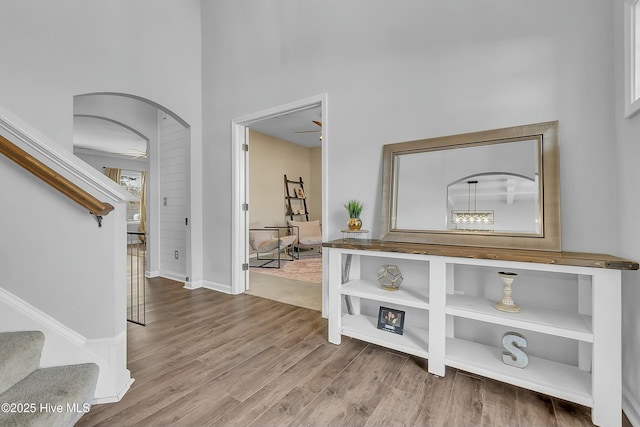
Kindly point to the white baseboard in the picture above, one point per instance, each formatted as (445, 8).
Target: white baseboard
(119, 395)
(208, 285)
(630, 406)
(178, 277)
(151, 274)
(217, 287)
(193, 285)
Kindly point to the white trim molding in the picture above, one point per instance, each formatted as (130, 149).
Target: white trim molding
(172, 275)
(630, 406)
(239, 130)
(631, 60)
(39, 317)
(218, 287)
(127, 381)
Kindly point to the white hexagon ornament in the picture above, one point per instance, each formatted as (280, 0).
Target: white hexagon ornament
(389, 277)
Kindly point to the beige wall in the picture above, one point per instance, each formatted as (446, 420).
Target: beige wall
(315, 199)
(269, 160)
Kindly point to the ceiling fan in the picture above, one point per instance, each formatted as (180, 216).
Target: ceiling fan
(134, 153)
(315, 130)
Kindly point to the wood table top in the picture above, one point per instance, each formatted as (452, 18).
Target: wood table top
(579, 259)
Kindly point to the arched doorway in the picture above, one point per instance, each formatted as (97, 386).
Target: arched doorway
(105, 129)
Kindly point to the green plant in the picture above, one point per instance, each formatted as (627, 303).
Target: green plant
(354, 208)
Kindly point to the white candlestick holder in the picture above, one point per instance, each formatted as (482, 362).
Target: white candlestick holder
(507, 303)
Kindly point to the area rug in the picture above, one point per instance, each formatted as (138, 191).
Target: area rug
(305, 269)
(285, 290)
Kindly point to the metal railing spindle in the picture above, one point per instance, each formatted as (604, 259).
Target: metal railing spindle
(136, 252)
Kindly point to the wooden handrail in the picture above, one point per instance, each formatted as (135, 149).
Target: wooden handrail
(54, 179)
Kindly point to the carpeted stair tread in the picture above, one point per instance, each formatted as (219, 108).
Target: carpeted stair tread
(19, 356)
(59, 396)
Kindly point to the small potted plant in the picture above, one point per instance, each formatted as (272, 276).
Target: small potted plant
(354, 208)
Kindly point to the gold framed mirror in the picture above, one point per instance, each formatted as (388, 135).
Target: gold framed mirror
(497, 188)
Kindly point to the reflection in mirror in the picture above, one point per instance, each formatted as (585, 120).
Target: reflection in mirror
(494, 202)
(496, 188)
(502, 177)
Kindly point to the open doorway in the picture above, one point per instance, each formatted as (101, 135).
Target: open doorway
(285, 193)
(145, 148)
(252, 137)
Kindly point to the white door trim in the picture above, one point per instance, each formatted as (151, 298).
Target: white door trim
(239, 226)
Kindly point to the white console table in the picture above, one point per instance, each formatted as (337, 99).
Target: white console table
(430, 296)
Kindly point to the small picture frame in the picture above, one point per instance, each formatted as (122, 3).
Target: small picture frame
(300, 193)
(391, 320)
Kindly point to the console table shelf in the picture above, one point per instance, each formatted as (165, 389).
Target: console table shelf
(413, 341)
(431, 296)
(370, 290)
(558, 379)
(547, 321)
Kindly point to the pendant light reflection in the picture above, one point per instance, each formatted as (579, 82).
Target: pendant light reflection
(473, 219)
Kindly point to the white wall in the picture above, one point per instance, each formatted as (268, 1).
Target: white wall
(60, 272)
(54, 256)
(392, 71)
(71, 47)
(397, 72)
(57, 253)
(627, 132)
(75, 47)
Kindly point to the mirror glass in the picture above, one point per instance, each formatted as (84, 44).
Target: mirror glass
(494, 202)
(494, 188)
(486, 188)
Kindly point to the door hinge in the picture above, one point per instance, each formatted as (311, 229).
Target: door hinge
(245, 207)
(245, 266)
(245, 147)
(186, 221)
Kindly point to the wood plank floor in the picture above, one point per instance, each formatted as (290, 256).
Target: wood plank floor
(210, 359)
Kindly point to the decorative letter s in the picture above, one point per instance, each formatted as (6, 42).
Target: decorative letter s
(514, 356)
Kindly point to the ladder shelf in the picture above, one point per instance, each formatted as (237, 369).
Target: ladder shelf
(295, 194)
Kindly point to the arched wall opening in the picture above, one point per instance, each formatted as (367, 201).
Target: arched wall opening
(128, 132)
